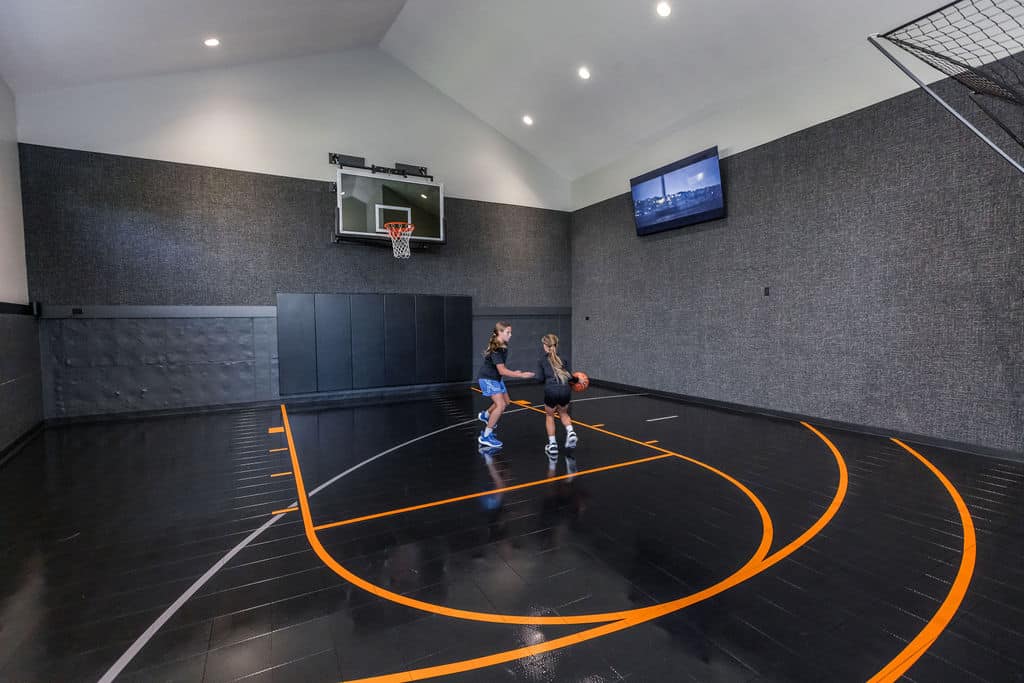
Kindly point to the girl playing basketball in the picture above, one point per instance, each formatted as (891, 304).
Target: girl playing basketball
(492, 383)
(554, 371)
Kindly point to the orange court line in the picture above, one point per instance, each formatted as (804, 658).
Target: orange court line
(281, 512)
(752, 568)
(281, 474)
(938, 623)
(277, 450)
(625, 615)
(599, 424)
(539, 482)
(275, 430)
(476, 390)
(651, 442)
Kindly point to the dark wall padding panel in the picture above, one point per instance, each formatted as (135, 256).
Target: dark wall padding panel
(458, 336)
(891, 240)
(333, 342)
(400, 338)
(21, 404)
(368, 366)
(296, 343)
(105, 229)
(364, 341)
(430, 339)
(95, 366)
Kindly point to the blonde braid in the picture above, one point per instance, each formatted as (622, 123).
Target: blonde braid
(551, 341)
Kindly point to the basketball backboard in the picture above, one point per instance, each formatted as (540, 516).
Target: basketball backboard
(367, 200)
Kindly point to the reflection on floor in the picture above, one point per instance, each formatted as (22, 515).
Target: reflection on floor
(149, 550)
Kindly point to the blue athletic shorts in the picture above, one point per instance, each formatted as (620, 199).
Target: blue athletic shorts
(490, 387)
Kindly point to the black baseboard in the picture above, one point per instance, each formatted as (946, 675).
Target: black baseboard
(922, 439)
(8, 452)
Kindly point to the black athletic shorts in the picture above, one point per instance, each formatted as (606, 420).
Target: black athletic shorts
(557, 395)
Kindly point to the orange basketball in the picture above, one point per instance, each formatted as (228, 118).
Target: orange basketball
(583, 382)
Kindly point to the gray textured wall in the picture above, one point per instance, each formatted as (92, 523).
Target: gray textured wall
(21, 406)
(892, 242)
(106, 229)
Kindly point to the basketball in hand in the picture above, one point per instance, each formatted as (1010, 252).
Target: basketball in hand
(582, 383)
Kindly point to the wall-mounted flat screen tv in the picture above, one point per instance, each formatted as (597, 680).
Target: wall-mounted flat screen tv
(683, 193)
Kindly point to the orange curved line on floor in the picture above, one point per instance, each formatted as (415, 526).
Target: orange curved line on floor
(337, 568)
(938, 623)
(749, 570)
(470, 496)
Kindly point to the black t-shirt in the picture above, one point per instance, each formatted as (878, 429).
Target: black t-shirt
(489, 370)
(546, 374)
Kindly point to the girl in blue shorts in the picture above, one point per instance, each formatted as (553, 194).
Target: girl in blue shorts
(492, 381)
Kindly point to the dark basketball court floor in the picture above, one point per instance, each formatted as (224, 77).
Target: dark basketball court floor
(379, 542)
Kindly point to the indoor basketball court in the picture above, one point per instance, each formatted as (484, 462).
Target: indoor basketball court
(377, 342)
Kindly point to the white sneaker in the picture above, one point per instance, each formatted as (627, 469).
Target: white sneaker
(571, 439)
(551, 449)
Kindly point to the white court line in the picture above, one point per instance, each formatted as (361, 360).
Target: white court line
(655, 419)
(141, 641)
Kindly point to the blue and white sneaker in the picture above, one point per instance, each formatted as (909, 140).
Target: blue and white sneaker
(489, 440)
(482, 416)
(570, 439)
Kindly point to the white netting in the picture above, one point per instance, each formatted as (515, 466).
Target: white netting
(400, 233)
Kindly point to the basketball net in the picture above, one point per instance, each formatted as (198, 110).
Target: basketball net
(400, 233)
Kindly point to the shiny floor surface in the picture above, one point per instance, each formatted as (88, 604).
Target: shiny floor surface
(674, 543)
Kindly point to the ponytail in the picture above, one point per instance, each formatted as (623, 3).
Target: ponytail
(551, 341)
(493, 344)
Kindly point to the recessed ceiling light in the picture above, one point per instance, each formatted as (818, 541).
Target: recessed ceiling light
(211, 42)
(423, 195)
(528, 120)
(584, 73)
(664, 9)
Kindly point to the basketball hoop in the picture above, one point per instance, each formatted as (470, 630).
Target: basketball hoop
(400, 233)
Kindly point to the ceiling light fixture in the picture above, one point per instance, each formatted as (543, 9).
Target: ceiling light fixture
(423, 195)
(527, 119)
(584, 73)
(211, 42)
(664, 9)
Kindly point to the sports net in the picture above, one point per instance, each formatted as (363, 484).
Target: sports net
(400, 233)
(977, 42)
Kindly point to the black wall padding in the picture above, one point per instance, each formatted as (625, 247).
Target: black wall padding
(400, 338)
(296, 343)
(368, 367)
(430, 338)
(333, 342)
(458, 338)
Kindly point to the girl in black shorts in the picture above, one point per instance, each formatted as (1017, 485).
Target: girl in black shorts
(554, 372)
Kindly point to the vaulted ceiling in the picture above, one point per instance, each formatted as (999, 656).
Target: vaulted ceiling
(498, 59)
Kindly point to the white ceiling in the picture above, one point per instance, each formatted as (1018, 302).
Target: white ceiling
(49, 44)
(498, 59)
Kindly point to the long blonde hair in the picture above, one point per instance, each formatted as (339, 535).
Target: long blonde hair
(551, 341)
(493, 344)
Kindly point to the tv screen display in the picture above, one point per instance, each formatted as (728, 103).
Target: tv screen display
(683, 193)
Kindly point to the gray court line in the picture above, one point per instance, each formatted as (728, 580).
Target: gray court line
(656, 419)
(141, 641)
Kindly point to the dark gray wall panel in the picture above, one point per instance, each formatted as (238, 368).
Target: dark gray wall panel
(368, 366)
(93, 366)
(296, 343)
(105, 229)
(21, 405)
(400, 338)
(430, 338)
(891, 241)
(333, 342)
(458, 338)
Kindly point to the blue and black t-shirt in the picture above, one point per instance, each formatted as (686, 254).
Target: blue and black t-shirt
(489, 370)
